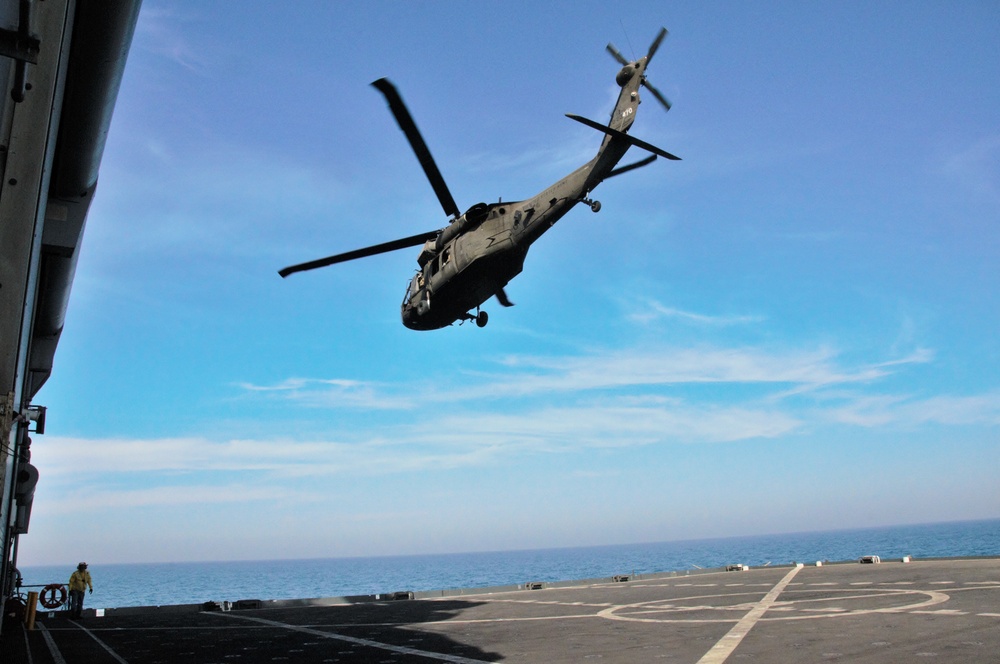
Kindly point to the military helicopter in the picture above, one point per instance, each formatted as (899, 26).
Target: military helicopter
(475, 256)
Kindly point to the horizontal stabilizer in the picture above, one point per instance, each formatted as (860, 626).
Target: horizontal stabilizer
(614, 133)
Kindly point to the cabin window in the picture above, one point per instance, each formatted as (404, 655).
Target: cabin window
(416, 283)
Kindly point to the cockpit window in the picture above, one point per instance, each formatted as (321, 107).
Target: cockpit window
(414, 287)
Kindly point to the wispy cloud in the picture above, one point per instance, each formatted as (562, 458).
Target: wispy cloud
(163, 33)
(333, 393)
(615, 424)
(451, 441)
(190, 470)
(653, 310)
(72, 457)
(977, 166)
(906, 411)
(547, 405)
(531, 408)
(529, 376)
(918, 356)
(90, 498)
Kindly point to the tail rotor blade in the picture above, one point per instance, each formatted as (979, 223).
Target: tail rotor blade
(409, 127)
(653, 48)
(616, 54)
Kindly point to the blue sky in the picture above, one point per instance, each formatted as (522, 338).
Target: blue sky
(792, 329)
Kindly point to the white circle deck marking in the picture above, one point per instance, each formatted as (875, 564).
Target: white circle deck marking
(840, 600)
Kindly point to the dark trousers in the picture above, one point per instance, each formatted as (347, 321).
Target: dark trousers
(76, 602)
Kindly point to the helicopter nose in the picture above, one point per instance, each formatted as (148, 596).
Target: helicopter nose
(409, 316)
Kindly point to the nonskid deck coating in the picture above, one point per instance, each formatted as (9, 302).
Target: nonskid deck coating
(923, 611)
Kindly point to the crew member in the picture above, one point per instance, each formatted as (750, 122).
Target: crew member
(79, 581)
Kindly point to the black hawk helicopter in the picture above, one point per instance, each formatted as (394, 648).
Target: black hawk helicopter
(474, 257)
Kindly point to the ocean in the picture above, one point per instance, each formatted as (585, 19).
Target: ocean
(153, 584)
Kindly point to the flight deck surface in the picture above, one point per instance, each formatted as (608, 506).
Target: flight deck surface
(927, 610)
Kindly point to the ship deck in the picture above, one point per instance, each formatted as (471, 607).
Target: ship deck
(924, 610)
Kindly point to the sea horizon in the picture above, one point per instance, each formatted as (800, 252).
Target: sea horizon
(186, 582)
(73, 562)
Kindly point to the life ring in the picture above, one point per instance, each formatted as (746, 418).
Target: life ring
(53, 595)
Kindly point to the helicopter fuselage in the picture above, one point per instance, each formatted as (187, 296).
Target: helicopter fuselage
(484, 256)
(475, 257)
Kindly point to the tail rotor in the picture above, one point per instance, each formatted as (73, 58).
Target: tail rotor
(616, 54)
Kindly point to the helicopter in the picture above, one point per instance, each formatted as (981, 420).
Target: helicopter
(476, 255)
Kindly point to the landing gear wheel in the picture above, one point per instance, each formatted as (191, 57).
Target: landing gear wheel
(595, 206)
(482, 318)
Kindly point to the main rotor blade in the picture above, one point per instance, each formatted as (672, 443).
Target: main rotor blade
(405, 121)
(656, 44)
(617, 54)
(385, 247)
(656, 93)
(631, 167)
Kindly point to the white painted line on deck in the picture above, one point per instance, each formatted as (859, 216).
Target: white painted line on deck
(404, 650)
(51, 643)
(27, 645)
(532, 601)
(728, 643)
(943, 612)
(118, 658)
